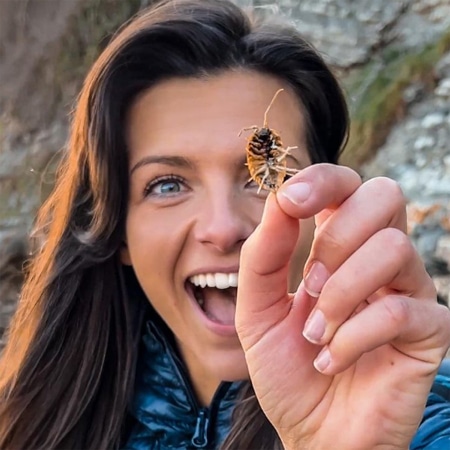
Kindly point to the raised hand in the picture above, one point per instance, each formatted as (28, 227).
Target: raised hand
(348, 360)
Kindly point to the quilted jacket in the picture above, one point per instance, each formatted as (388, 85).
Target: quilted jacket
(166, 416)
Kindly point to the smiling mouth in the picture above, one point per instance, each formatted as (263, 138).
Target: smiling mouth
(215, 293)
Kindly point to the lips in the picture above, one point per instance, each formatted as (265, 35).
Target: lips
(215, 293)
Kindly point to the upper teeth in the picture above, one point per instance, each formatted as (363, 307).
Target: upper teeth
(215, 280)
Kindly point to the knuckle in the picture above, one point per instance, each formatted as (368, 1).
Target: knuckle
(335, 243)
(391, 189)
(397, 243)
(397, 310)
(338, 288)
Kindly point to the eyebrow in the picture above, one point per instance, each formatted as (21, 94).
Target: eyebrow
(174, 161)
(180, 161)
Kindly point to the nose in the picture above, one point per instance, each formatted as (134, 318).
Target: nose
(224, 222)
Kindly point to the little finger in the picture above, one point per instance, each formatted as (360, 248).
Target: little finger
(416, 329)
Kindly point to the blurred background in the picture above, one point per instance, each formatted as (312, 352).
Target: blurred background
(392, 57)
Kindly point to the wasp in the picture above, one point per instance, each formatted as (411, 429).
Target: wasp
(266, 156)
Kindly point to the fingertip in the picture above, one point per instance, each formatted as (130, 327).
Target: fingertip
(322, 362)
(317, 187)
(296, 193)
(315, 327)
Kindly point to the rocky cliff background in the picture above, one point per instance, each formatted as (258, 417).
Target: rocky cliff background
(392, 56)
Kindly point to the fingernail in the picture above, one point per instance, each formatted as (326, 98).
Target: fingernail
(323, 360)
(315, 327)
(297, 193)
(316, 278)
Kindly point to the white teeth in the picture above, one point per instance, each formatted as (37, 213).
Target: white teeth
(202, 280)
(222, 281)
(217, 280)
(233, 279)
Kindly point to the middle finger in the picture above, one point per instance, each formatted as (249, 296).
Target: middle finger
(377, 204)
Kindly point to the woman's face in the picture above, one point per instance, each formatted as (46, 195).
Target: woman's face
(191, 206)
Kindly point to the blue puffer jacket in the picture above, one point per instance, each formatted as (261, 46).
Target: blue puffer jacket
(165, 414)
(434, 431)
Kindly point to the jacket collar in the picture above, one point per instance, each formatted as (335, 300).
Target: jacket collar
(164, 405)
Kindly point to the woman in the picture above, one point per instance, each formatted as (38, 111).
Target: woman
(130, 331)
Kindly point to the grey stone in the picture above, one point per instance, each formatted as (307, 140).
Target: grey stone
(442, 69)
(443, 248)
(433, 120)
(423, 142)
(443, 88)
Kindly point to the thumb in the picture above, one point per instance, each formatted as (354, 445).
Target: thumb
(264, 261)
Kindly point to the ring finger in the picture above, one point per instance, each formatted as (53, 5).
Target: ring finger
(386, 260)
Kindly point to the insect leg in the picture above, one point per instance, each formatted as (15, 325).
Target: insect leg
(270, 105)
(290, 171)
(287, 170)
(285, 152)
(261, 170)
(253, 127)
(263, 180)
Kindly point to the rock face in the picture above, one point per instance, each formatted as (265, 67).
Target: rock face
(352, 32)
(393, 57)
(417, 155)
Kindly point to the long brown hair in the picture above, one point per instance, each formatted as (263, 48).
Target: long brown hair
(67, 372)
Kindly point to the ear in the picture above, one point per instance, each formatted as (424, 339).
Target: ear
(125, 254)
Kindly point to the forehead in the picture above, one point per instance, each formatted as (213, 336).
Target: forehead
(208, 113)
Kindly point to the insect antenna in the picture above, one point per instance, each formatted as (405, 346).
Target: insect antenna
(270, 105)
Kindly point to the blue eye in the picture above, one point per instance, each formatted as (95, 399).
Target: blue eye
(164, 186)
(168, 187)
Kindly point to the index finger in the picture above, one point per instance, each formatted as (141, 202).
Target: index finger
(316, 188)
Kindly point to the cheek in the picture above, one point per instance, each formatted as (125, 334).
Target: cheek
(153, 243)
(152, 252)
(147, 228)
(301, 253)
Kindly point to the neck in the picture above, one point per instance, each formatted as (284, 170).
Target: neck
(203, 385)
